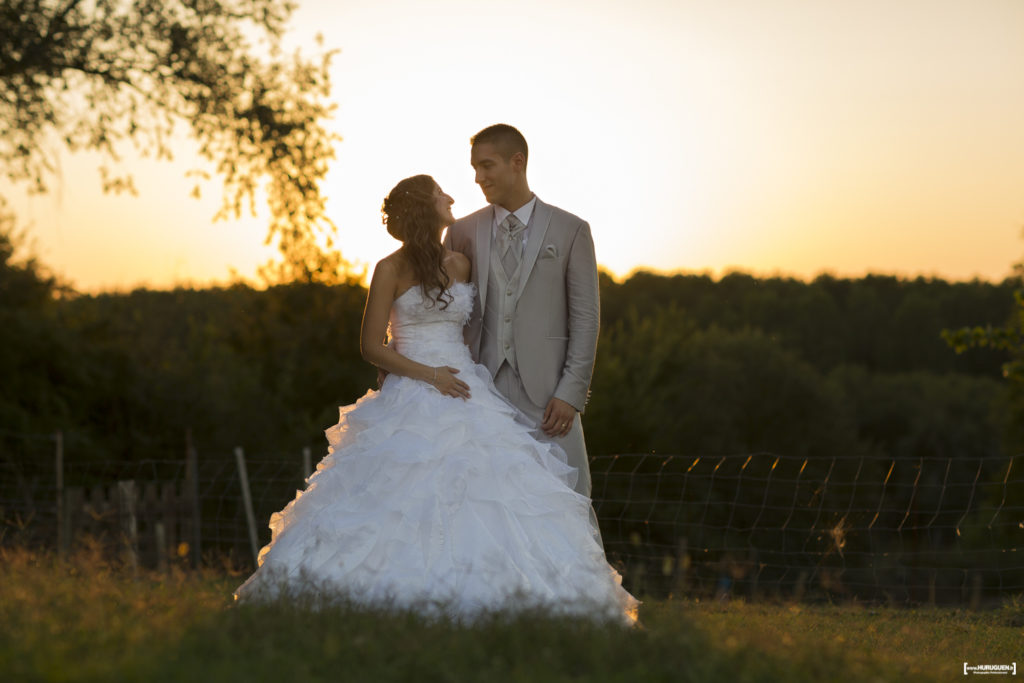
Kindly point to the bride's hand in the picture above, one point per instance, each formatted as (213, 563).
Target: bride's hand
(448, 384)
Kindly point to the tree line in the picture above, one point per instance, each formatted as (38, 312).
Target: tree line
(691, 364)
(686, 364)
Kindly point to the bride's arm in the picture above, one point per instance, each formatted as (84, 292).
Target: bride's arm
(383, 288)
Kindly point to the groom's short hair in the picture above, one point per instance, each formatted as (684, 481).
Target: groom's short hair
(506, 138)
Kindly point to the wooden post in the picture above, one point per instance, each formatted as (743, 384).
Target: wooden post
(149, 517)
(976, 584)
(127, 499)
(801, 585)
(61, 528)
(98, 511)
(191, 495)
(755, 569)
(74, 502)
(679, 586)
(250, 517)
(161, 546)
(307, 463)
(170, 516)
(637, 573)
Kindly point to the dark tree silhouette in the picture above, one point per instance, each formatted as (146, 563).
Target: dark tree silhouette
(1009, 337)
(99, 74)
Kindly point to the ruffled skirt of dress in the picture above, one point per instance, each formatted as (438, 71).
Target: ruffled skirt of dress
(441, 505)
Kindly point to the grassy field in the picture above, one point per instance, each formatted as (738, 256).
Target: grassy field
(83, 620)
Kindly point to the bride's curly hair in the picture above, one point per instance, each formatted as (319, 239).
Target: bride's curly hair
(410, 214)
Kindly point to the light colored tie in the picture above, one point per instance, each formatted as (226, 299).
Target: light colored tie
(510, 243)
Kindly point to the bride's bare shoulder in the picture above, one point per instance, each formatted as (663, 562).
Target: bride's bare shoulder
(458, 265)
(394, 272)
(394, 263)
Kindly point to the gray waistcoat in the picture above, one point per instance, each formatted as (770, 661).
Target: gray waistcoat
(497, 343)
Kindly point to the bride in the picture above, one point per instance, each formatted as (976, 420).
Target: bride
(435, 495)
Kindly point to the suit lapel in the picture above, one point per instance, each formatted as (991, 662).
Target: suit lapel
(539, 222)
(483, 254)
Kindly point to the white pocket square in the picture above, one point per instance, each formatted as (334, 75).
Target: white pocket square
(550, 251)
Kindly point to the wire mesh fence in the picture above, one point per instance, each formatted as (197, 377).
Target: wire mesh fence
(931, 530)
(762, 526)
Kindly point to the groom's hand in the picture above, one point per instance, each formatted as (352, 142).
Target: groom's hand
(558, 418)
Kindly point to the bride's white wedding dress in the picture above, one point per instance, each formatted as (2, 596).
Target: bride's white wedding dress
(430, 502)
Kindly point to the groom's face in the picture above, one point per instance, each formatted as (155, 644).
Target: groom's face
(498, 177)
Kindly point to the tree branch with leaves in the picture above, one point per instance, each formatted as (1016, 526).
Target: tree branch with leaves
(1010, 338)
(99, 74)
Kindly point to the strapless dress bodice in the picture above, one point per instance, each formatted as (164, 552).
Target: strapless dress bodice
(426, 330)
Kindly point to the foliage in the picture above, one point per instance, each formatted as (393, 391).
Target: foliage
(880, 323)
(35, 354)
(1009, 337)
(24, 282)
(219, 362)
(666, 386)
(913, 415)
(94, 75)
(685, 365)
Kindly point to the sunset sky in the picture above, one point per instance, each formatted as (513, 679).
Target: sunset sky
(771, 136)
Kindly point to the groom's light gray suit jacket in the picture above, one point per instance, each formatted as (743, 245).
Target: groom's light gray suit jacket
(557, 310)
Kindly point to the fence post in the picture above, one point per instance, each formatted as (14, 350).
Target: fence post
(170, 515)
(682, 566)
(976, 584)
(755, 568)
(160, 536)
(61, 529)
(127, 496)
(250, 517)
(307, 463)
(74, 499)
(801, 585)
(192, 497)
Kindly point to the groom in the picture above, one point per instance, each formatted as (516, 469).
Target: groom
(535, 322)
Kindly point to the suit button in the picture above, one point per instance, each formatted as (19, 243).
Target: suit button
(508, 293)
(506, 347)
(508, 318)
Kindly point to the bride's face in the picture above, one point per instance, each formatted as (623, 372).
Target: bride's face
(443, 203)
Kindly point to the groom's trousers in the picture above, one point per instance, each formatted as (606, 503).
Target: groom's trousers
(511, 386)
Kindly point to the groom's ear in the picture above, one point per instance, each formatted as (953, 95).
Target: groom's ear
(518, 161)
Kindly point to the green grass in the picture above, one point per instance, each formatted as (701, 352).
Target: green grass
(82, 620)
